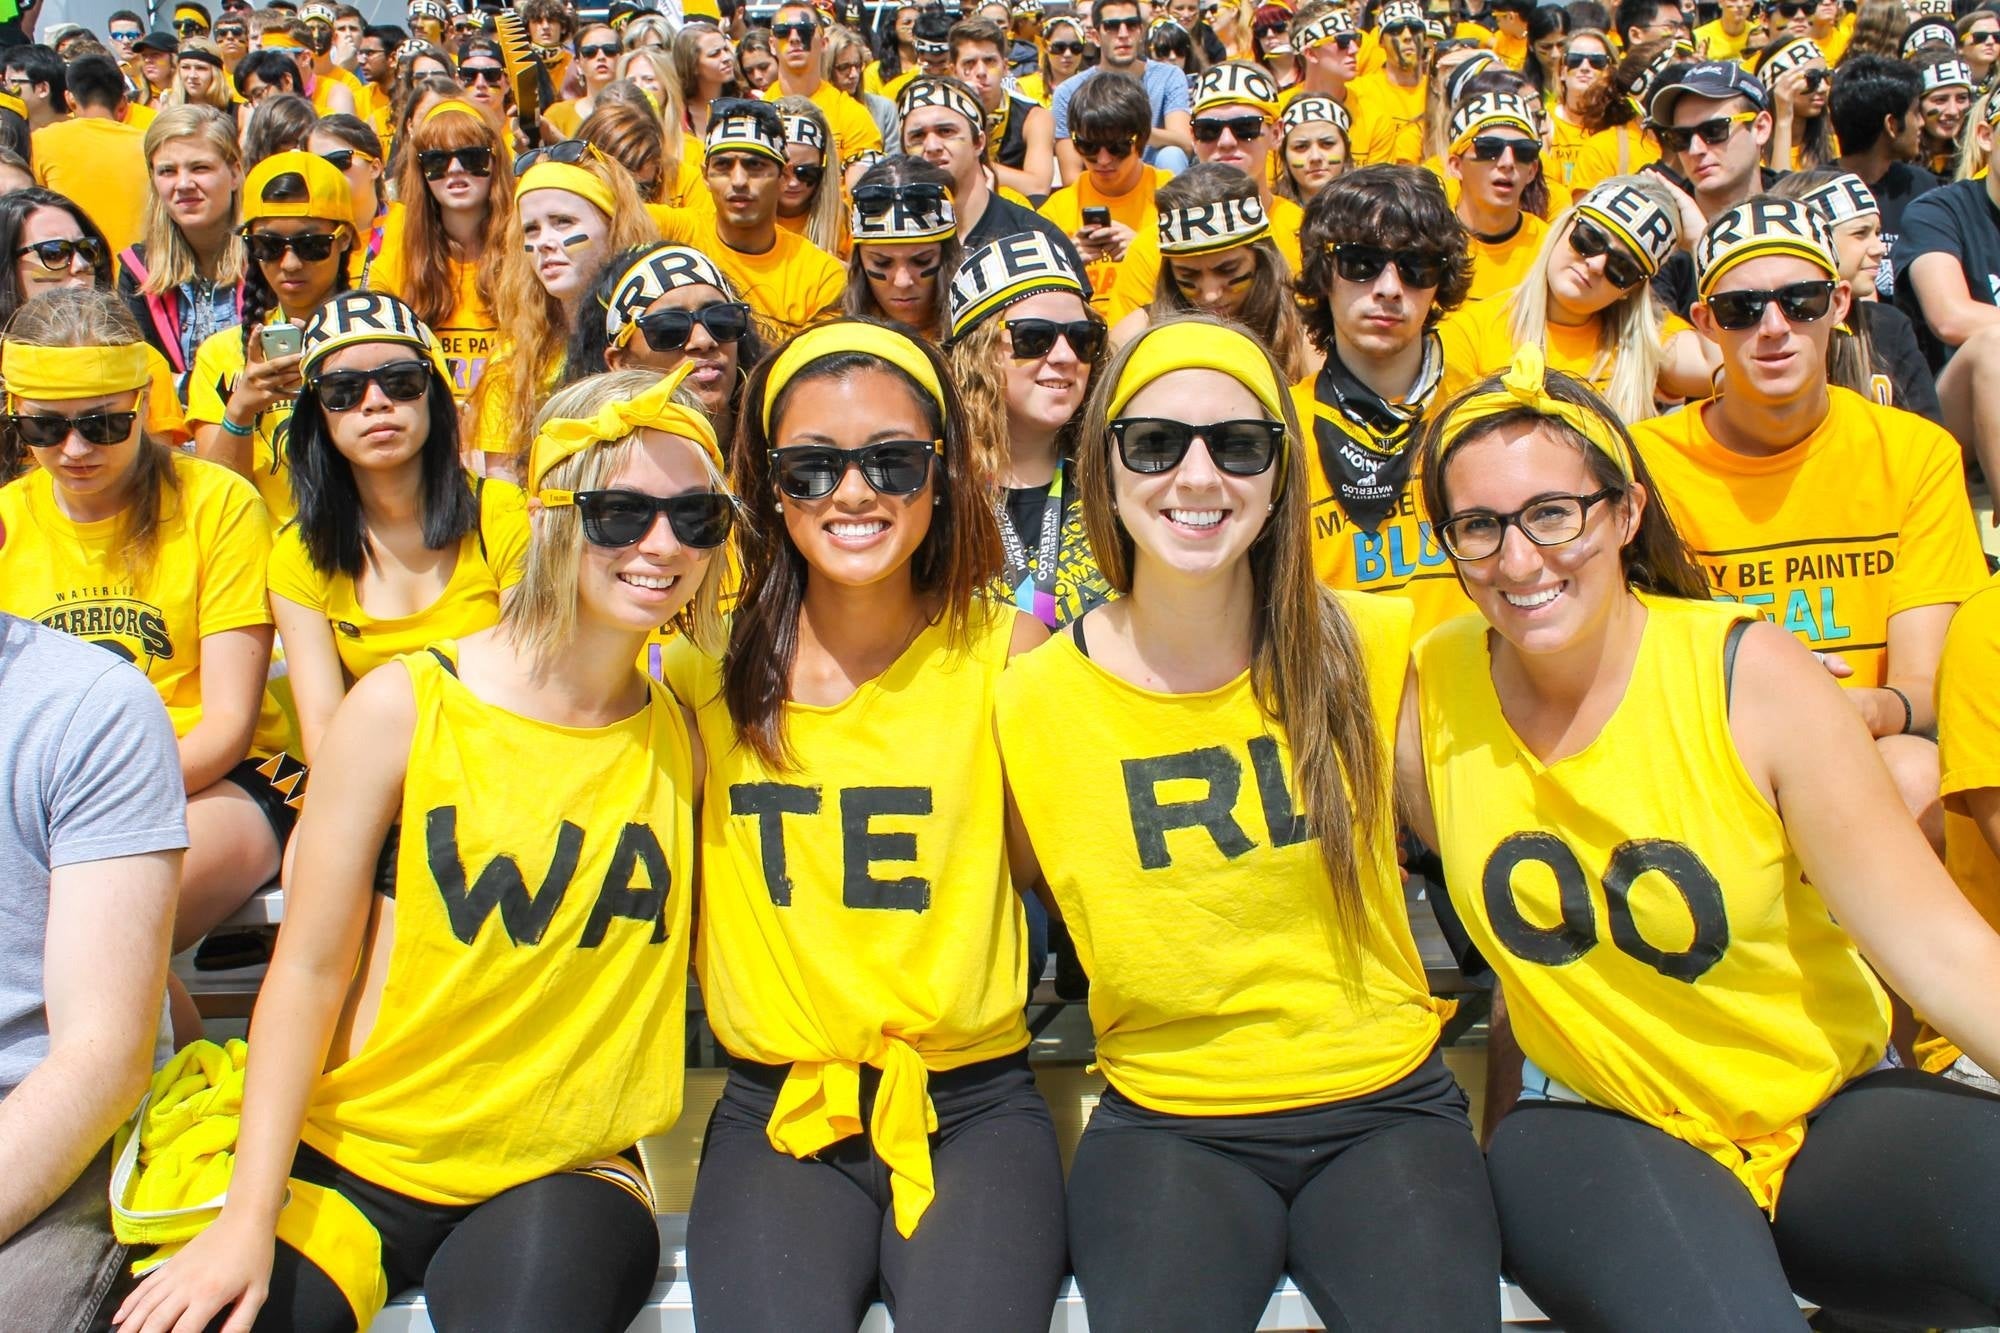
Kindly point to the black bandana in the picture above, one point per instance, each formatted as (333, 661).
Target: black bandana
(1364, 439)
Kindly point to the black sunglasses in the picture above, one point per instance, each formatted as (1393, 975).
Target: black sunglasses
(1489, 147)
(1154, 444)
(918, 197)
(494, 74)
(669, 330)
(1801, 302)
(46, 430)
(1814, 78)
(786, 31)
(699, 519)
(1619, 268)
(598, 49)
(1594, 59)
(61, 255)
(1790, 11)
(1208, 129)
(808, 174)
(268, 247)
(1118, 148)
(188, 27)
(1067, 48)
(1364, 263)
(1711, 132)
(1121, 25)
(1983, 37)
(1396, 29)
(401, 381)
(476, 159)
(1035, 338)
(343, 158)
(814, 471)
(235, 34)
(569, 152)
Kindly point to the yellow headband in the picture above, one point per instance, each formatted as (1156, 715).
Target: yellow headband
(451, 108)
(563, 176)
(844, 336)
(1525, 386)
(1200, 345)
(55, 373)
(279, 40)
(654, 409)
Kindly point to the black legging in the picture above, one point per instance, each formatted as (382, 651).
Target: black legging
(1890, 1210)
(1378, 1208)
(775, 1242)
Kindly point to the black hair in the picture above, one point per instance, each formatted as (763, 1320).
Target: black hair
(388, 34)
(1395, 207)
(274, 67)
(96, 81)
(1588, 14)
(38, 64)
(1867, 92)
(15, 206)
(1109, 107)
(1638, 14)
(1097, 8)
(1544, 22)
(128, 15)
(278, 124)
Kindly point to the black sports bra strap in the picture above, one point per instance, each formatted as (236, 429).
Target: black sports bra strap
(1730, 643)
(443, 661)
(1076, 632)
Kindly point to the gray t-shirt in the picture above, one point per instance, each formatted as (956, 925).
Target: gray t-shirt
(89, 771)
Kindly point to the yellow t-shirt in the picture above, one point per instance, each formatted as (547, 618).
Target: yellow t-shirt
(871, 81)
(1139, 272)
(788, 286)
(206, 577)
(1395, 119)
(1499, 266)
(217, 363)
(857, 909)
(469, 334)
(324, 85)
(1834, 45)
(854, 130)
(1716, 44)
(1968, 711)
(1169, 829)
(1863, 518)
(1559, 159)
(1661, 951)
(1618, 151)
(565, 116)
(100, 165)
(534, 1011)
(1479, 341)
(1135, 209)
(489, 563)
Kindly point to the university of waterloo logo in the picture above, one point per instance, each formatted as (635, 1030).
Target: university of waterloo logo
(113, 618)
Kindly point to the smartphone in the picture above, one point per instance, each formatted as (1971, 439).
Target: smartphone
(1096, 215)
(280, 340)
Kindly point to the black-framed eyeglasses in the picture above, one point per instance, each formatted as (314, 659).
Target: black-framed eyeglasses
(596, 49)
(917, 196)
(570, 152)
(1067, 48)
(1490, 147)
(669, 330)
(46, 430)
(312, 247)
(477, 159)
(808, 174)
(1801, 302)
(1594, 59)
(1549, 520)
(1713, 132)
(1208, 129)
(1033, 339)
(1149, 445)
(493, 74)
(699, 519)
(784, 32)
(1118, 148)
(61, 255)
(1620, 269)
(400, 382)
(343, 158)
(1364, 263)
(891, 467)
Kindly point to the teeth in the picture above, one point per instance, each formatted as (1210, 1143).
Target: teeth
(1533, 599)
(1195, 518)
(856, 529)
(656, 582)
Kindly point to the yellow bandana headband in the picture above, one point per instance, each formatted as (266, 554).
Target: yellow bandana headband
(563, 176)
(451, 108)
(1525, 385)
(279, 40)
(655, 409)
(56, 373)
(1197, 344)
(844, 336)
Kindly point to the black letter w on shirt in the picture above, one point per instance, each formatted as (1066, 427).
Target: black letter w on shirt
(500, 884)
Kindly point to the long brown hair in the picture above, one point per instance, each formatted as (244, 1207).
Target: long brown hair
(979, 367)
(1306, 661)
(956, 559)
(1271, 310)
(428, 285)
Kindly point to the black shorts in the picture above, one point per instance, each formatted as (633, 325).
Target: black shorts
(276, 784)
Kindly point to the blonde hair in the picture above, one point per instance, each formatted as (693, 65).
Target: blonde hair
(217, 95)
(170, 260)
(1628, 330)
(539, 615)
(672, 107)
(976, 369)
(826, 218)
(1970, 160)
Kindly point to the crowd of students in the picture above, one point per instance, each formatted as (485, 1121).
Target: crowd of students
(603, 501)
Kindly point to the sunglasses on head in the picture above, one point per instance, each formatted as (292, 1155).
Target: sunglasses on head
(1208, 129)
(1711, 132)
(44, 430)
(1620, 270)
(401, 382)
(1801, 302)
(891, 467)
(1036, 338)
(808, 174)
(312, 247)
(1594, 59)
(1066, 48)
(1153, 444)
(595, 49)
(343, 158)
(781, 32)
(476, 159)
(1364, 263)
(493, 74)
(62, 255)
(669, 330)
(569, 152)
(1089, 148)
(699, 519)
(873, 199)
(1489, 147)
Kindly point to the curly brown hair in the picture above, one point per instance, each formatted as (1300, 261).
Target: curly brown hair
(1395, 207)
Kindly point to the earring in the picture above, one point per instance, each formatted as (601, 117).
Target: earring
(778, 506)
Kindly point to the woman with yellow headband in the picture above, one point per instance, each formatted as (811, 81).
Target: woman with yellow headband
(447, 238)
(573, 209)
(158, 557)
(1653, 808)
(863, 950)
(1202, 769)
(477, 1006)
(1800, 82)
(301, 249)
(905, 247)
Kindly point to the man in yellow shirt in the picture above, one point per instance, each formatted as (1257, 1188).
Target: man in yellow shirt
(1326, 43)
(1110, 118)
(1495, 155)
(1729, 37)
(1843, 521)
(787, 280)
(795, 37)
(1394, 94)
(94, 157)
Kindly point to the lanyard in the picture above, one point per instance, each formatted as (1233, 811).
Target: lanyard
(1032, 586)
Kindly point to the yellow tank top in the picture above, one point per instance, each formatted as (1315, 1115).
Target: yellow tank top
(1168, 828)
(858, 910)
(532, 1017)
(1661, 951)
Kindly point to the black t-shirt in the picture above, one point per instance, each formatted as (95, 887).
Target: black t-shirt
(1957, 220)
(1025, 507)
(1004, 217)
(1898, 356)
(1900, 184)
